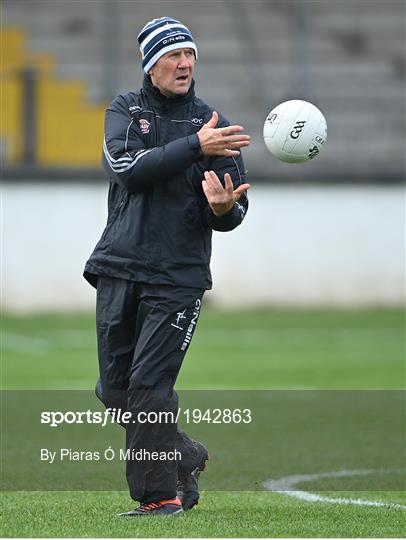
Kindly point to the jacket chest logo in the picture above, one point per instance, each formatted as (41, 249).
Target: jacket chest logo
(144, 125)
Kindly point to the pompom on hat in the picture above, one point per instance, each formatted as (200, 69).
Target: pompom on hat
(160, 36)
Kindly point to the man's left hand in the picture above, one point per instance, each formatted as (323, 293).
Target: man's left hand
(221, 199)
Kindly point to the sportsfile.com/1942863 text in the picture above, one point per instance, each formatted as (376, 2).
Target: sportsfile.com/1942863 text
(111, 415)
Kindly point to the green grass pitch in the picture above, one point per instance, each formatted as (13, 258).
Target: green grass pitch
(278, 349)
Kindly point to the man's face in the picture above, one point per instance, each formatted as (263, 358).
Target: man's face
(173, 72)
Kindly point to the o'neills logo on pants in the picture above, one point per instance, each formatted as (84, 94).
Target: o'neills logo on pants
(191, 327)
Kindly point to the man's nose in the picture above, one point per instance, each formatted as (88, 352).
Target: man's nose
(184, 61)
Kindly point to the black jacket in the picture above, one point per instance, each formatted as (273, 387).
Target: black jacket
(159, 222)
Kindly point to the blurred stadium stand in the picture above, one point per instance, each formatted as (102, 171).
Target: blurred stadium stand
(62, 62)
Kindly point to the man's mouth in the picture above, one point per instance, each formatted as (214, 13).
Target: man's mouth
(182, 78)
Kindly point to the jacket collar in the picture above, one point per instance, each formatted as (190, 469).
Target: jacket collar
(161, 101)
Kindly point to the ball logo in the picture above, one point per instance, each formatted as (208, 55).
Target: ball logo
(271, 118)
(313, 151)
(319, 139)
(297, 129)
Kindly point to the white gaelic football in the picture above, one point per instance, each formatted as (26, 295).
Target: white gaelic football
(295, 131)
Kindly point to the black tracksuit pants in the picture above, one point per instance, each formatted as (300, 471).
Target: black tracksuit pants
(143, 334)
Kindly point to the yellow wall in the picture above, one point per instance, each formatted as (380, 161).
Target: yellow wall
(69, 129)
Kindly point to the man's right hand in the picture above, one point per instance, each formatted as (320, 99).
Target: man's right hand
(224, 141)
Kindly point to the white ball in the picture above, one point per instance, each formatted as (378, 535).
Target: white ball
(295, 131)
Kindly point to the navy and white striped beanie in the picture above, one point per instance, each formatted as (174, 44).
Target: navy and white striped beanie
(160, 36)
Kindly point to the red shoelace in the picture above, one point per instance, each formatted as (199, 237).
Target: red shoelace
(147, 507)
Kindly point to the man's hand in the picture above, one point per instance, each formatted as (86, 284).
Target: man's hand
(224, 141)
(220, 199)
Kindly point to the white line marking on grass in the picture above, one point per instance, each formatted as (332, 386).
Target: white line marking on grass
(287, 484)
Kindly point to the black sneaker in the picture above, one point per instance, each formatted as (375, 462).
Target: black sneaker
(188, 485)
(171, 507)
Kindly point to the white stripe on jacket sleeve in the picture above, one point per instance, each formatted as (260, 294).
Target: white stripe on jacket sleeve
(123, 163)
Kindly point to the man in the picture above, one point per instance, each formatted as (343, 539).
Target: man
(165, 152)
